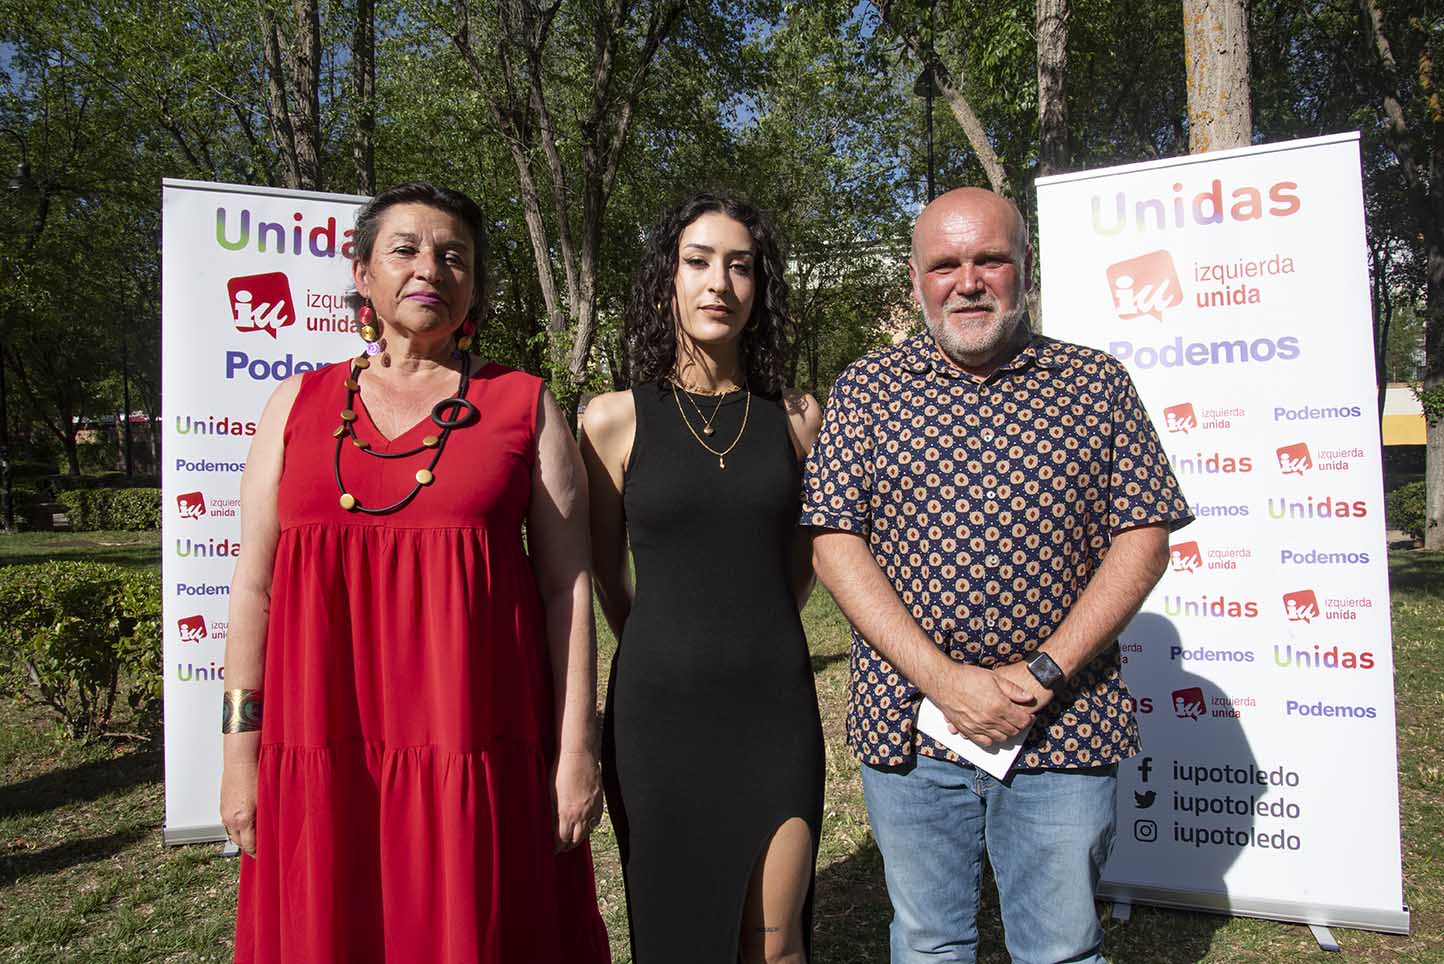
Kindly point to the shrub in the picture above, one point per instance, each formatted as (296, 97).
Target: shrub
(132, 510)
(1404, 508)
(78, 509)
(71, 631)
(54, 483)
(140, 650)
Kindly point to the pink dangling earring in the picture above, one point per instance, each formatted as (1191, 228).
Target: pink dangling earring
(366, 325)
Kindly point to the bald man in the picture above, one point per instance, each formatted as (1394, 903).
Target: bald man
(991, 508)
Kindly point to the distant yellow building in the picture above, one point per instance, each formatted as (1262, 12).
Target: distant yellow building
(1403, 416)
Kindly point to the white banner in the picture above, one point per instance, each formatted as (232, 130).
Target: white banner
(253, 290)
(1233, 287)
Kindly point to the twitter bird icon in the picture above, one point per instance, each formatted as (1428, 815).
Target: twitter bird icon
(1144, 800)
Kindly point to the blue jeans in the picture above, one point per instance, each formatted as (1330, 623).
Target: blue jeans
(1047, 835)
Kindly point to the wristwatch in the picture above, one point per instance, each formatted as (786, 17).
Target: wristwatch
(1046, 672)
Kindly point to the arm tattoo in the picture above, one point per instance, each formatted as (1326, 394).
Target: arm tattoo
(240, 711)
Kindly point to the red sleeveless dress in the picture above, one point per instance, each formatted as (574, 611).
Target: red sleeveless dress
(404, 810)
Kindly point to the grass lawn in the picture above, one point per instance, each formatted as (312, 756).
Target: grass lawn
(122, 548)
(83, 876)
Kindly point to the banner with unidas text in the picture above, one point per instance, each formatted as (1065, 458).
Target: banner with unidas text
(1233, 287)
(254, 289)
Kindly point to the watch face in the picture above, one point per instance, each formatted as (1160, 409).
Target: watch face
(1045, 671)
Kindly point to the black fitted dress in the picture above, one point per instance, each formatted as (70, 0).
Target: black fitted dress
(712, 738)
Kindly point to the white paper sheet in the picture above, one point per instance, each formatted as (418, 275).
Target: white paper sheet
(996, 760)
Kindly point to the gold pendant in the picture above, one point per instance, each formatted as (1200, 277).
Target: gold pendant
(721, 462)
(706, 430)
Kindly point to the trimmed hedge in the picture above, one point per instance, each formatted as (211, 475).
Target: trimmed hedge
(1404, 508)
(51, 484)
(71, 632)
(131, 510)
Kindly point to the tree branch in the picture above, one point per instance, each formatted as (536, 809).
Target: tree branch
(967, 118)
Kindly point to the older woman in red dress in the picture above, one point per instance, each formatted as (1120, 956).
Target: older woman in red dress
(410, 752)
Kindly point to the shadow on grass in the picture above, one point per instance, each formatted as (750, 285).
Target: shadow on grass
(821, 661)
(88, 781)
(852, 912)
(1417, 571)
(133, 557)
(68, 854)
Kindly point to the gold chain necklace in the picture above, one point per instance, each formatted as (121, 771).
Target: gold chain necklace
(722, 455)
(706, 421)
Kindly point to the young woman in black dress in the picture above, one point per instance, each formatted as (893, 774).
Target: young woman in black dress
(712, 746)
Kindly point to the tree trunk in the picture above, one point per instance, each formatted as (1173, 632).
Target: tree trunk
(1215, 42)
(292, 61)
(72, 451)
(306, 85)
(1411, 146)
(1433, 388)
(516, 91)
(1052, 32)
(1383, 302)
(363, 88)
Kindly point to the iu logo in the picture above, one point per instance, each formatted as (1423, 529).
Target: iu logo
(1185, 557)
(1295, 459)
(192, 629)
(1301, 606)
(262, 302)
(1188, 703)
(192, 505)
(1146, 285)
(1180, 418)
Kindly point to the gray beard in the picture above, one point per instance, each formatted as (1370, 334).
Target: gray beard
(977, 354)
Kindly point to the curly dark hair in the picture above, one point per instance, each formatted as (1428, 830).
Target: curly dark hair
(649, 324)
(458, 205)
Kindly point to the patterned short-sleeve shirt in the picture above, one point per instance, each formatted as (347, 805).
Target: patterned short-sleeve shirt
(989, 505)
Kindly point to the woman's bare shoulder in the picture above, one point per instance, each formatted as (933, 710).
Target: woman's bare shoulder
(609, 414)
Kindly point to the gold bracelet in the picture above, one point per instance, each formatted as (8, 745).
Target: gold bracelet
(240, 711)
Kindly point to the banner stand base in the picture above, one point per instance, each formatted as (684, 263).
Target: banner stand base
(1325, 937)
(1288, 912)
(1122, 911)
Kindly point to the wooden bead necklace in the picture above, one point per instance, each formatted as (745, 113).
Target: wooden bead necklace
(441, 413)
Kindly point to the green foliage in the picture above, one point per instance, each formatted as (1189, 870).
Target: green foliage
(130, 510)
(139, 650)
(1405, 511)
(69, 631)
(1431, 400)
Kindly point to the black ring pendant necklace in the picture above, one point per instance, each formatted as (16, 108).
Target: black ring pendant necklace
(448, 414)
